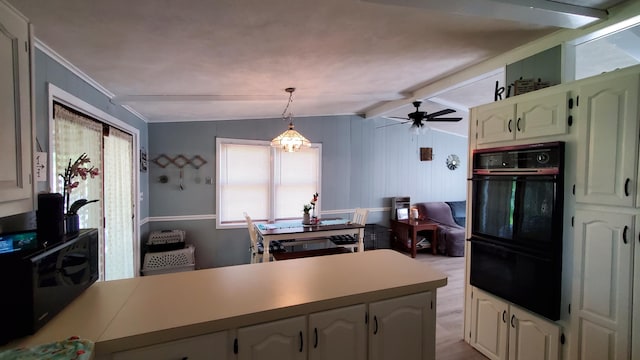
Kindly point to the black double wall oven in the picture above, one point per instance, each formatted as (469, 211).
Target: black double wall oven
(516, 227)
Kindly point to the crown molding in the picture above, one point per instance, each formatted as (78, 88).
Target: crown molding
(38, 44)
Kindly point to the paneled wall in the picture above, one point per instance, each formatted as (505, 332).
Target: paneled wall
(49, 70)
(362, 166)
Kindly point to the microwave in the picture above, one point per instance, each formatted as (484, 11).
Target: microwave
(38, 283)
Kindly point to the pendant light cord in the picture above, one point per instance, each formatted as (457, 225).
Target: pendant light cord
(290, 91)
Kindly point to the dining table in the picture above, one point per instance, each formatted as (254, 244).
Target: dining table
(299, 232)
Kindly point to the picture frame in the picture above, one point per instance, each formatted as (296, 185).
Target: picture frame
(426, 154)
(402, 214)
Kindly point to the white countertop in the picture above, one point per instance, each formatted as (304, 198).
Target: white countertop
(123, 314)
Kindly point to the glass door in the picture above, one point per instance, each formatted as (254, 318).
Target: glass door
(494, 207)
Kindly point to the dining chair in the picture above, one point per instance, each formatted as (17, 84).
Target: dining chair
(256, 247)
(350, 241)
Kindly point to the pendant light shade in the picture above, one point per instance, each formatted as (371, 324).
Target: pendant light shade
(290, 140)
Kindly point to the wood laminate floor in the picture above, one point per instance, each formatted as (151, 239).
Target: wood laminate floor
(450, 309)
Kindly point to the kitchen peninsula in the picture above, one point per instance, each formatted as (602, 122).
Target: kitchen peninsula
(221, 311)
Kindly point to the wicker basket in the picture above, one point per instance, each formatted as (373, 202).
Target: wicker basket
(169, 261)
(166, 240)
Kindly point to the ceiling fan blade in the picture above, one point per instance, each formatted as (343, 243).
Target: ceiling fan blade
(393, 124)
(399, 118)
(441, 112)
(451, 119)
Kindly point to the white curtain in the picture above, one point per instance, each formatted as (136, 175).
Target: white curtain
(111, 151)
(75, 135)
(118, 205)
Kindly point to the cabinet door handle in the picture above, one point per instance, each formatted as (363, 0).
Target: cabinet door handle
(504, 316)
(315, 333)
(626, 186)
(375, 326)
(301, 342)
(509, 125)
(513, 318)
(624, 234)
(518, 124)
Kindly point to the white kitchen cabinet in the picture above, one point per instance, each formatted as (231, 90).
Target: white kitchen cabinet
(531, 337)
(489, 331)
(210, 347)
(283, 340)
(339, 334)
(500, 330)
(601, 304)
(608, 132)
(403, 328)
(635, 319)
(16, 146)
(524, 118)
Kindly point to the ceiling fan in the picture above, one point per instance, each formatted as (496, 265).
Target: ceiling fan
(417, 117)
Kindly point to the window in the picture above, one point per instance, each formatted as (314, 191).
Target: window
(265, 182)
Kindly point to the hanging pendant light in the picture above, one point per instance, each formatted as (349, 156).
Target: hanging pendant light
(290, 140)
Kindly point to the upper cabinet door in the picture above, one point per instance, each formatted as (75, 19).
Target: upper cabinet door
(16, 189)
(607, 152)
(544, 116)
(495, 123)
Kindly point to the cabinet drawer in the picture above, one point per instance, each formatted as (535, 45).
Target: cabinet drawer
(210, 346)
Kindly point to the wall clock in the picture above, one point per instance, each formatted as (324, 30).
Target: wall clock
(453, 161)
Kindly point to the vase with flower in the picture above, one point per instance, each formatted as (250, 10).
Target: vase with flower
(75, 171)
(314, 201)
(306, 217)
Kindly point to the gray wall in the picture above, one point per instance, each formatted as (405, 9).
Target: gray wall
(362, 166)
(48, 70)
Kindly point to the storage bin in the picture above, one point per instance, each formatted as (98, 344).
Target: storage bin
(169, 261)
(165, 240)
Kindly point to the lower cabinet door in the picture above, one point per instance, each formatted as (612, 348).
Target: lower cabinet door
(339, 334)
(489, 331)
(282, 340)
(213, 346)
(532, 338)
(403, 328)
(500, 331)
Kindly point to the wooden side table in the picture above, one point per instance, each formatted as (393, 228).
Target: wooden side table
(404, 230)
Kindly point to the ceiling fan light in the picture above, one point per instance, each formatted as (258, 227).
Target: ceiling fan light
(290, 140)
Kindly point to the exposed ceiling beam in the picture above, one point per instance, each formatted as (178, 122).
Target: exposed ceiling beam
(539, 12)
(624, 13)
(450, 104)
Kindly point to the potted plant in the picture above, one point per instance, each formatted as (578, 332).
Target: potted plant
(69, 182)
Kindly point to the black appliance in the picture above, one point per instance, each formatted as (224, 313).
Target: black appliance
(37, 282)
(516, 227)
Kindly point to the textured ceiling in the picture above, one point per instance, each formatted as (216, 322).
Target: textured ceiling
(175, 60)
